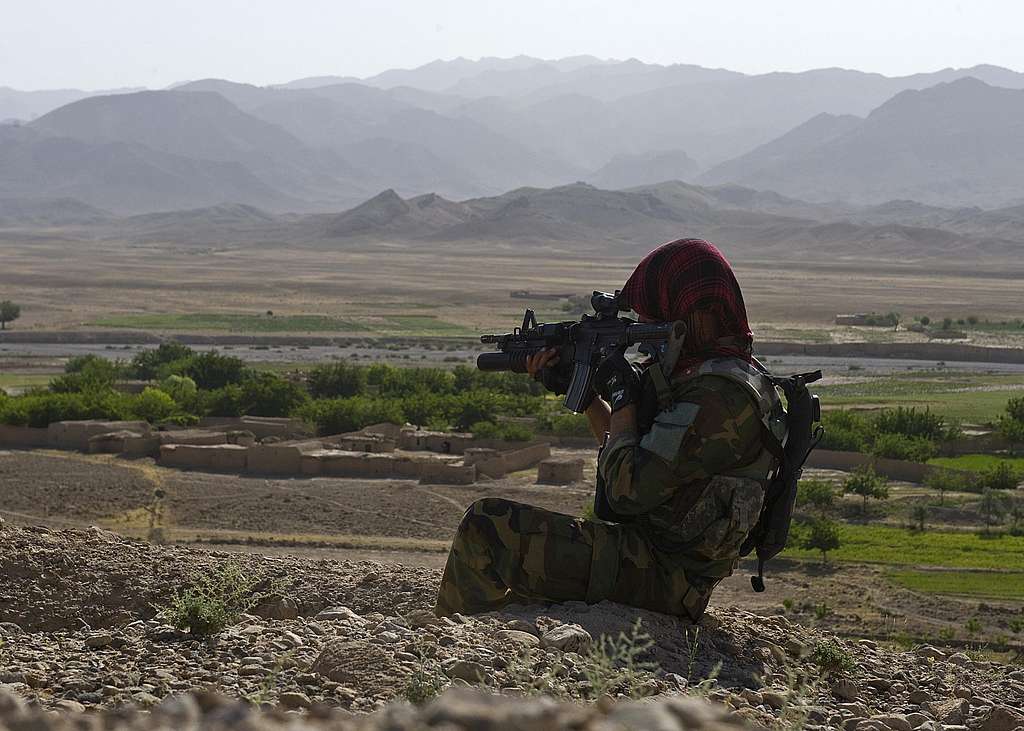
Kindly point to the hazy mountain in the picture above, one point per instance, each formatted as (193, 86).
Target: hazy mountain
(48, 212)
(814, 132)
(957, 143)
(204, 126)
(580, 217)
(27, 105)
(120, 176)
(627, 171)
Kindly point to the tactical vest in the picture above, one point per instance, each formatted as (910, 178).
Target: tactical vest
(764, 396)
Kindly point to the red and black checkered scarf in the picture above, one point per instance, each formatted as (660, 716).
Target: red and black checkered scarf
(686, 276)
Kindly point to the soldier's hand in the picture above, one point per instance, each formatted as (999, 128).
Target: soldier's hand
(541, 365)
(617, 381)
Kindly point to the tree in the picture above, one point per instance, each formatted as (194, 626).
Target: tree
(9, 312)
(926, 321)
(947, 480)
(992, 506)
(867, 484)
(947, 324)
(823, 536)
(919, 514)
(815, 494)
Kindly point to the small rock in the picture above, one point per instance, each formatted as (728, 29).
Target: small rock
(421, 618)
(796, 648)
(999, 718)
(183, 710)
(294, 700)
(525, 639)
(894, 721)
(845, 689)
(467, 670)
(880, 684)
(752, 697)
(952, 712)
(521, 625)
(69, 706)
(774, 700)
(145, 699)
(960, 659)
(340, 613)
(277, 608)
(919, 697)
(251, 671)
(568, 638)
(100, 639)
(917, 720)
(930, 653)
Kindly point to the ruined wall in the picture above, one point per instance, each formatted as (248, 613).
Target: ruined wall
(447, 473)
(23, 437)
(502, 463)
(560, 471)
(893, 469)
(261, 426)
(76, 434)
(218, 457)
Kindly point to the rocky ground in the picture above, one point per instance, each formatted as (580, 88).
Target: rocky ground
(80, 632)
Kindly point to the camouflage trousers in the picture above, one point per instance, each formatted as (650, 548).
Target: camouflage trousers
(506, 552)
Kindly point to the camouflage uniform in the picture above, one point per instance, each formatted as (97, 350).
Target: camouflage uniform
(687, 493)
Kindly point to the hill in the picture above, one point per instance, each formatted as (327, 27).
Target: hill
(959, 143)
(119, 176)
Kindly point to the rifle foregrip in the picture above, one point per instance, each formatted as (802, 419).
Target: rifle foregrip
(515, 361)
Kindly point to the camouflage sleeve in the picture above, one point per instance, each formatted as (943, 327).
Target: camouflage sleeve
(712, 431)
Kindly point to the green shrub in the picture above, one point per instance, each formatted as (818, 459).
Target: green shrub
(508, 431)
(823, 535)
(949, 481)
(211, 602)
(336, 416)
(226, 401)
(912, 423)
(1000, 476)
(1015, 408)
(847, 431)
(831, 657)
(565, 425)
(40, 408)
(87, 373)
(901, 446)
(182, 389)
(153, 405)
(267, 394)
(150, 364)
(337, 380)
(816, 494)
(865, 483)
(210, 370)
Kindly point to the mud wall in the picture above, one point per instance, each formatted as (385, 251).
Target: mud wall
(23, 437)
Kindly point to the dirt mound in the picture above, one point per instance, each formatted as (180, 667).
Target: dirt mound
(64, 579)
(78, 630)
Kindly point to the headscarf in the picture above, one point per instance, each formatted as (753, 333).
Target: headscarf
(684, 277)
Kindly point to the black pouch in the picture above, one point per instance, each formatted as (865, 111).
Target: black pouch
(772, 529)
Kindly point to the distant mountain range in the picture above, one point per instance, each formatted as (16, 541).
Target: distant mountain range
(577, 218)
(471, 129)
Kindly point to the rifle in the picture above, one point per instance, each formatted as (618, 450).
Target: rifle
(581, 345)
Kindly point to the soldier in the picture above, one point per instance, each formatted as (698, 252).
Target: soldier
(681, 475)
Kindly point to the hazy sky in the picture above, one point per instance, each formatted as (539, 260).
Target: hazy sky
(111, 43)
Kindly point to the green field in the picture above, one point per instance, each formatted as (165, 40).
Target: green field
(967, 583)
(232, 322)
(977, 462)
(902, 547)
(394, 325)
(23, 380)
(956, 396)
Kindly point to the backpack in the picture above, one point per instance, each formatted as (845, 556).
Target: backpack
(803, 411)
